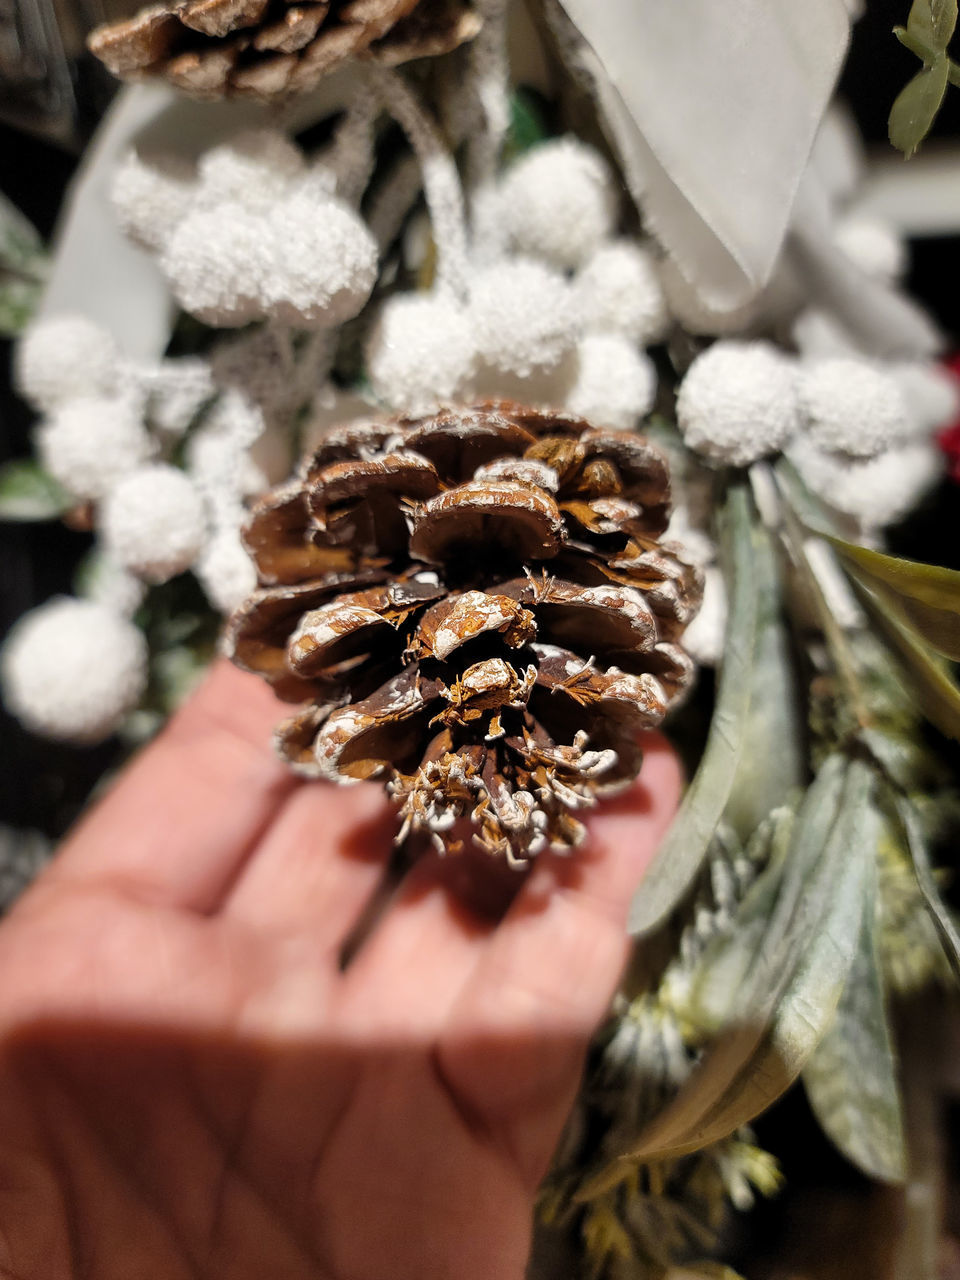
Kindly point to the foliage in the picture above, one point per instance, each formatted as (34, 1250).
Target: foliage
(28, 492)
(23, 265)
(930, 27)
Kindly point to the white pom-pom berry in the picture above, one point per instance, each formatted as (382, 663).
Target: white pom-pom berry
(72, 669)
(150, 196)
(62, 357)
(738, 402)
(88, 444)
(619, 291)
(703, 638)
(225, 571)
(153, 522)
(325, 261)
(421, 352)
(851, 406)
(559, 202)
(872, 245)
(931, 395)
(615, 383)
(875, 492)
(301, 263)
(521, 315)
(252, 169)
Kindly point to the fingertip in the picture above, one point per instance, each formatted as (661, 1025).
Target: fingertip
(237, 701)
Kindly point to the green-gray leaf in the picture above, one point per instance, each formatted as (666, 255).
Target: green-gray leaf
(927, 594)
(938, 696)
(916, 106)
(775, 763)
(27, 492)
(18, 302)
(851, 1079)
(793, 975)
(21, 248)
(937, 908)
(682, 852)
(943, 19)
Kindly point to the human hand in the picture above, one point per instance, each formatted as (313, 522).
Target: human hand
(190, 1087)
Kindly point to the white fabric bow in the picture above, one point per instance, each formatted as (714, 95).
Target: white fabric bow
(713, 106)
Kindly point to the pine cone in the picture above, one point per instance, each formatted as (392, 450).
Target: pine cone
(476, 608)
(265, 49)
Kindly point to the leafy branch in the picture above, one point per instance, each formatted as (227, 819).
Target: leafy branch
(927, 35)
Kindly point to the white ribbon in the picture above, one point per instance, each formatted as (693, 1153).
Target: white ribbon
(713, 106)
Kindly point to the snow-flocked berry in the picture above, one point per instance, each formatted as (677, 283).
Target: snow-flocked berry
(559, 202)
(521, 314)
(619, 291)
(851, 406)
(152, 522)
(703, 638)
(300, 262)
(225, 570)
(150, 196)
(72, 669)
(421, 352)
(872, 245)
(64, 356)
(253, 168)
(89, 443)
(931, 394)
(874, 492)
(738, 402)
(615, 383)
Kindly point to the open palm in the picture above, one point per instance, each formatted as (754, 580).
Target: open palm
(189, 1086)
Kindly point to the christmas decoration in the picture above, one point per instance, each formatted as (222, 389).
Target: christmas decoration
(566, 329)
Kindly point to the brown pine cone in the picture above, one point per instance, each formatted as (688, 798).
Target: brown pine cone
(266, 49)
(475, 607)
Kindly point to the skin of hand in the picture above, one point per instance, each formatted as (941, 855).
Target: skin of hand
(190, 1087)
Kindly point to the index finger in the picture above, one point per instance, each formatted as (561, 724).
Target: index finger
(181, 820)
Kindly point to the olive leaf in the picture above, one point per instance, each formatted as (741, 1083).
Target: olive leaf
(937, 695)
(851, 1079)
(927, 594)
(775, 764)
(931, 22)
(682, 852)
(916, 106)
(27, 492)
(793, 972)
(937, 908)
(21, 248)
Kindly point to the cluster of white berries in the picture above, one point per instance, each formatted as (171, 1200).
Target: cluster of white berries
(252, 232)
(108, 433)
(558, 310)
(858, 432)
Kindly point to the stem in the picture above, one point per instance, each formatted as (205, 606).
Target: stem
(351, 154)
(489, 74)
(441, 181)
(915, 1257)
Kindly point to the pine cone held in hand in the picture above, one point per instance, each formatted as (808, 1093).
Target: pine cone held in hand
(475, 607)
(265, 49)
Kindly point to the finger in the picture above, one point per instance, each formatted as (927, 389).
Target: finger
(515, 1041)
(181, 820)
(317, 865)
(411, 970)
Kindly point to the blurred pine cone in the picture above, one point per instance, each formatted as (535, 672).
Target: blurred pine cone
(476, 608)
(265, 49)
